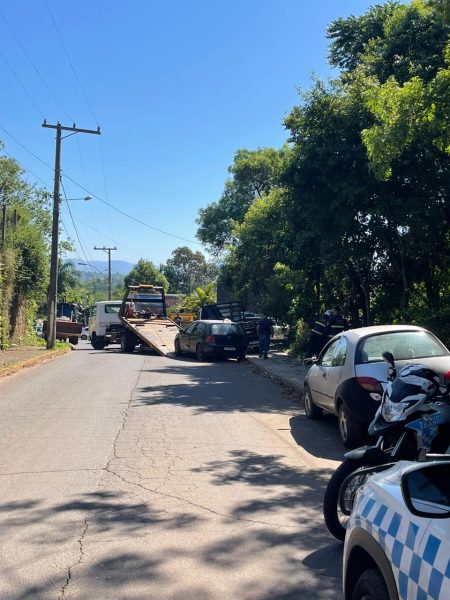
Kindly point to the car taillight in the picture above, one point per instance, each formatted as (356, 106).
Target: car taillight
(447, 377)
(370, 384)
(210, 339)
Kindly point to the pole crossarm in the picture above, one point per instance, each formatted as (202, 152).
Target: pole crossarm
(74, 128)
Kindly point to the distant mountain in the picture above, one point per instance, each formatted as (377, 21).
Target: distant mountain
(120, 267)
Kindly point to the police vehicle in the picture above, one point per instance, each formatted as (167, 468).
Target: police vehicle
(397, 545)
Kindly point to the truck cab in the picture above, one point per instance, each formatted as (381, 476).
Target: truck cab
(104, 324)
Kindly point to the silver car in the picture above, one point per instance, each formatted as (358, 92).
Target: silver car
(350, 367)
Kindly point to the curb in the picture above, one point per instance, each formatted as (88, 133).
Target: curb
(30, 362)
(293, 385)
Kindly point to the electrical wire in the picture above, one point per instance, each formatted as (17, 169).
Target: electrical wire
(85, 189)
(75, 228)
(54, 96)
(77, 79)
(22, 85)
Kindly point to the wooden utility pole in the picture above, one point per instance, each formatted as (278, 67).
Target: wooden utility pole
(53, 287)
(108, 251)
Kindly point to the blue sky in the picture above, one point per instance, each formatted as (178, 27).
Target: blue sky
(176, 87)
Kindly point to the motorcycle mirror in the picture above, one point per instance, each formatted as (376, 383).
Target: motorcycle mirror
(375, 396)
(392, 372)
(389, 358)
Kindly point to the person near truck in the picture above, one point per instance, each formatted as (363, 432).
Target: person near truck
(319, 333)
(337, 323)
(264, 329)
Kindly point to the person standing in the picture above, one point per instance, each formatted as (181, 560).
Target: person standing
(264, 330)
(337, 323)
(318, 335)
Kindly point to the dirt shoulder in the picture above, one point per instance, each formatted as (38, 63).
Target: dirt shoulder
(20, 357)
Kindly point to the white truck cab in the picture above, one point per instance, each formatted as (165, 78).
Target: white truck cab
(105, 326)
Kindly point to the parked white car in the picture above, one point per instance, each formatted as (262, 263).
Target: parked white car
(104, 324)
(350, 368)
(397, 544)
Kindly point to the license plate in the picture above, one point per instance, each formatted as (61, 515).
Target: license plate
(231, 348)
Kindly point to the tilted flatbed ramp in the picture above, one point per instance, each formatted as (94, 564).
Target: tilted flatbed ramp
(159, 334)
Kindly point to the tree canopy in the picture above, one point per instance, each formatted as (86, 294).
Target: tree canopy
(356, 210)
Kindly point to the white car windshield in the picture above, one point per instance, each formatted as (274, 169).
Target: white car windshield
(404, 345)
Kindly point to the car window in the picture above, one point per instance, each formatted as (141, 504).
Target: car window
(190, 328)
(404, 345)
(112, 309)
(327, 357)
(200, 329)
(430, 485)
(341, 352)
(225, 328)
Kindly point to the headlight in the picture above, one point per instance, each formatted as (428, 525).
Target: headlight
(394, 411)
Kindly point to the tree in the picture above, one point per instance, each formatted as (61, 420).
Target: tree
(68, 278)
(201, 297)
(187, 270)
(145, 272)
(25, 231)
(253, 173)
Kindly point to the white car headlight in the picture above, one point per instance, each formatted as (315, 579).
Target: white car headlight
(394, 411)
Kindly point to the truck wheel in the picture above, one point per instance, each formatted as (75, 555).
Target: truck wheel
(127, 343)
(73, 340)
(97, 342)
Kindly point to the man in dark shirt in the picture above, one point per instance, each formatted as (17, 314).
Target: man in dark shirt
(264, 330)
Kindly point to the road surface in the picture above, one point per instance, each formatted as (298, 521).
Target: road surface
(136, 476)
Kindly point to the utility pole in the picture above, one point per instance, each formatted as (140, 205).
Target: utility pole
(53, 287)
(108, 251)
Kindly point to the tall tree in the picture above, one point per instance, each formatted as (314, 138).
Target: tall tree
(145, 272)
(187, 270)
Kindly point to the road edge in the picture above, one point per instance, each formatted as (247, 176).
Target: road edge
(31, 362)
(271, 374)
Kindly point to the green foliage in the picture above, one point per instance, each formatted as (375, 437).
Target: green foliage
(187, 270)
(24, 254)
(145, 272)
(357, 212)
(200, 297)
(253, 174)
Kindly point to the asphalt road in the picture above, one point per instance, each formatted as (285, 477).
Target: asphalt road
(131, 477)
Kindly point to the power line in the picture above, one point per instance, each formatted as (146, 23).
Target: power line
(55, 98)
(30, 97)
(70, 62)
(75, 227)
(122, 212)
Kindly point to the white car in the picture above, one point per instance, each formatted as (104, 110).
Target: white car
(397, 545)
(85, 333)
(351, 366)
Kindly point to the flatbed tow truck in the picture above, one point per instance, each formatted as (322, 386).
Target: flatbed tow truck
(144, 317)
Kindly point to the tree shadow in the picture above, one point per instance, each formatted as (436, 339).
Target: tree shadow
(319, 438)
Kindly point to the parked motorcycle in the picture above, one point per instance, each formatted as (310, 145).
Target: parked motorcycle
(413, 420)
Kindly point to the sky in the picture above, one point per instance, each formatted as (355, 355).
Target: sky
(176, 88)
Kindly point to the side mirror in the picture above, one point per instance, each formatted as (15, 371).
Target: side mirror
(426, 490)
(308, 362)
(389, 358)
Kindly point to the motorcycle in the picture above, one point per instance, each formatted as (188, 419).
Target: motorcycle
(412, 421)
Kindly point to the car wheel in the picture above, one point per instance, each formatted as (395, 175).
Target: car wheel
(311, 410)
(97, 342)
(371, 586)
(199, 352)
(178, 348)
(349, 428)
(241, 357)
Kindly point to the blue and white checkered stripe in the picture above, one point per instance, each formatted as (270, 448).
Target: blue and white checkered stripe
(419, 576)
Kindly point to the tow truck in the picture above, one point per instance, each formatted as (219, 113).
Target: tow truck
(144, 317)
